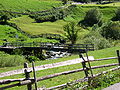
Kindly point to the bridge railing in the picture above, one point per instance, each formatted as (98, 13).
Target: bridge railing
(51, 45)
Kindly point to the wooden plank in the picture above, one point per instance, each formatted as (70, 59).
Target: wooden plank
(83, 80)
(7, 81)
(64, 73)
(118, 54)
(9, 86)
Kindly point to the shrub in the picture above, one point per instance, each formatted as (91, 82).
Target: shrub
(4, 16)
(51, 15)
(117, 15)
(97, 83)
(7, 60)
(71, 32)
(111, 30)
(95, 38)
(93, 16)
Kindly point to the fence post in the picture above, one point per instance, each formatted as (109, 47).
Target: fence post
(84, 66)
(27, 76)
(118, 54)
(33, 66)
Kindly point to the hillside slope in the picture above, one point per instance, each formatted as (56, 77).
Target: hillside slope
(28, 5)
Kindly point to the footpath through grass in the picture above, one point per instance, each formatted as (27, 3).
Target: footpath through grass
(109, 52)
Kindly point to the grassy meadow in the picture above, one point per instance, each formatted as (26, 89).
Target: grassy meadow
(28, 5)
(29, 26)
(109, 52)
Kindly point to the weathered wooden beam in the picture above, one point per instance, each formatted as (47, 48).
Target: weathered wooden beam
(64, 73)
(118, 54)
(9, 86)
(83, 80)
(104, 59)
(7, 81)
(25, 82)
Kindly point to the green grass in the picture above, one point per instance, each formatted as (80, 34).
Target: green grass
(12, 35)
(9, 33)
(31, 5)
(28, 25)
(10, 60)
(38, 63)
(110, 52)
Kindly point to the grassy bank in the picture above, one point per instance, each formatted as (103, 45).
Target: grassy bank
(30, 26)
(110, 52)
(28, 5)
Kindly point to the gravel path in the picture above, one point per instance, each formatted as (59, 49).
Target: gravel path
(113, 87)
(46, 66)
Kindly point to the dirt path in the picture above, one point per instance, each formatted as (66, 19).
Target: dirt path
(46, 66)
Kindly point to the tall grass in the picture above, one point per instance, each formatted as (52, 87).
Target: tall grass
(11, 60)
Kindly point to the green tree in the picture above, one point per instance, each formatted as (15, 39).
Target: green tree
(111, 30)
(94, 37)
(4, 17)
(71, 32)
(117, 15)
(93, 16)
(64, 1)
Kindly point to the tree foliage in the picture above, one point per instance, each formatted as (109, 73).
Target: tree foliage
(64, 1)
(71, 32)
(93, 16)
(94, 37)
(4, 17)
(117, 15)
(111, 30)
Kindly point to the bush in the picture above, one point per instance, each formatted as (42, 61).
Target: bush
(95, 38)
(93, 16)
(10, 60)
(97, 83)
(111, 30)
(51, 15)
(71, 32)
(117, 15)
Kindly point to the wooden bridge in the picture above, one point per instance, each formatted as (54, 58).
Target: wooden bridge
(50, 46)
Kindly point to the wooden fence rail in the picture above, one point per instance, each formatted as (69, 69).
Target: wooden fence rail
(83, 79)
(22, 79)
(29, 81)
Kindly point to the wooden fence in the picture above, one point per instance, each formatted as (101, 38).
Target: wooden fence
(29, 81)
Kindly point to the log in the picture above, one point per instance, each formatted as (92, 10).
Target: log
(84, 79)
(7, 81)
(64, 85)
(103, 59)
(43, 78)
(105, 72)
(64, 73)
(9, 86)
